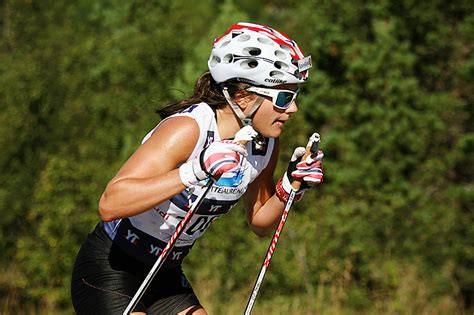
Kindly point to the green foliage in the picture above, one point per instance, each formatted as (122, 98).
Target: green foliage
(391, 92)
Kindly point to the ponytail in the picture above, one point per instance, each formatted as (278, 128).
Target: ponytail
(205, 90)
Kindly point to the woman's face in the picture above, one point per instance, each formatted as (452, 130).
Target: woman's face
(269, 120)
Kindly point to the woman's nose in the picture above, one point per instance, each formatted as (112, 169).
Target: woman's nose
(293, 108)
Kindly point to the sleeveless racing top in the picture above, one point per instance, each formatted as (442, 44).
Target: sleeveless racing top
(145, 235)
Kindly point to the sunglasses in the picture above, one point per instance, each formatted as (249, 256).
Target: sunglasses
(281, 99)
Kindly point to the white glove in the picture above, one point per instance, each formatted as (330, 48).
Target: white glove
(310, 172)
(219, 157)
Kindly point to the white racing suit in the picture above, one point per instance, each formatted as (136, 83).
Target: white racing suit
(144, 236)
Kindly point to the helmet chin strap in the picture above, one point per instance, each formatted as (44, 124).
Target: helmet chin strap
(246, 120)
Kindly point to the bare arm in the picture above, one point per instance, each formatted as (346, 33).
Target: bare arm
(263, 207)
(151, 175)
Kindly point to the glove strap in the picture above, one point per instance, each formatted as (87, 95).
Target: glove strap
(283, 195)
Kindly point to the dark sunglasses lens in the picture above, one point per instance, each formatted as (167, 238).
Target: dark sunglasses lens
(284, 99)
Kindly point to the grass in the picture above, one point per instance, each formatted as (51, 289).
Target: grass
(342, 296)
(411, 294)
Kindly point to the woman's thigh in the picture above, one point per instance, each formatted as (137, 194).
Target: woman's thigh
(96, 286)
(105, 279)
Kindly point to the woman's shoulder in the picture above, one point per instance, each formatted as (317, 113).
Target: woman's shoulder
(173, 126)
(196, 110)
(189, 119)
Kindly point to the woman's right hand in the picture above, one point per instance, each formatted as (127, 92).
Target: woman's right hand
(219, 157)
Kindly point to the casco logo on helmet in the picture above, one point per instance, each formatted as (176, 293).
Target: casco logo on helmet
(279, 81)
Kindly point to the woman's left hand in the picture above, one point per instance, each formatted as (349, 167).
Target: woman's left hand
(310, 172)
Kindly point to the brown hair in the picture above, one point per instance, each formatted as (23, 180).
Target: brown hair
(205, 90)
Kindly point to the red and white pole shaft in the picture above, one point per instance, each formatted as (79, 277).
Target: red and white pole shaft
(166, 251)
(312, 147)
(245, 134)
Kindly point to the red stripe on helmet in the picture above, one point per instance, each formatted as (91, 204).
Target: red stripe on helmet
(276, 36)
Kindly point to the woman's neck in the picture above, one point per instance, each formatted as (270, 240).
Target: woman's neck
(227, 123)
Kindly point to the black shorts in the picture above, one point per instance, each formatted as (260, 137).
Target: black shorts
(105, 279)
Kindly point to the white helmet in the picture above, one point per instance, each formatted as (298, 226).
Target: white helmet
(258, 55)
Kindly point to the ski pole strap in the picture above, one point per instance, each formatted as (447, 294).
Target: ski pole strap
(283, 195)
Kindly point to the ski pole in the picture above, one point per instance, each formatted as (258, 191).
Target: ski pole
(242, 136)
(312, 147)
(166, 251)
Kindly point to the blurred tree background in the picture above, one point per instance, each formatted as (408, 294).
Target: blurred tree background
(391, 92)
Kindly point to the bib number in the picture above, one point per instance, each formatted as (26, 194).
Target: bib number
(201, 224)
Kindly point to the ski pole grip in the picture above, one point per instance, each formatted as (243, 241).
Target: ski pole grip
(311, 147)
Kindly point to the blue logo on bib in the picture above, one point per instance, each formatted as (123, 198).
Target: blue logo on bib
(231, 179)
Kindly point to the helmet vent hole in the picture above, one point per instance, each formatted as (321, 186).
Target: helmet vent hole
(280, 54)
(285, 47)
(243, 38)
(249, 64)
(281, 65)
(214, 61)
(298, 75)
(251, 51)
(276, 74)
(265, 40)
(228, 58)
(225, 44)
